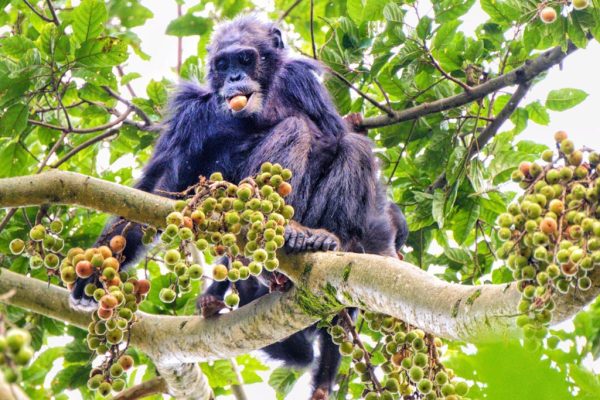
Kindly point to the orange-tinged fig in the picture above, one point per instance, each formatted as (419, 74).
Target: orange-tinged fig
(117, 243)
(237, 103)
(548, 15)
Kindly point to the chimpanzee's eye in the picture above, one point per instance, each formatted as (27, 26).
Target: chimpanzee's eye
(245, 58)
(221, 64)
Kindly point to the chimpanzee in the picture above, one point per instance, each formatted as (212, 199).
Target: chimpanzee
(261, 105)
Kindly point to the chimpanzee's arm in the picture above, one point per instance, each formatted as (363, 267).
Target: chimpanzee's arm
(182, 140)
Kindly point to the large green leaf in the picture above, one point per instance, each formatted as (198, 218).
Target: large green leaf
(563, 99)
(283, 381)
(88, 20)
(14, 120)
(102, 52)
(188, 25)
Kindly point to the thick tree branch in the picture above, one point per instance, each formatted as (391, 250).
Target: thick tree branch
(526, 72)
(61, 187)
(372, 282)
(324, 283)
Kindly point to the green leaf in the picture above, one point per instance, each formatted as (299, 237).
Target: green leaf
(14, 159)
(355, 10)
(373, 10)
(77, 351)
(424, 27)
(494, 364)
(503, 11)
(455, 168)
(71, 377)
(464, 220)
(563, 99)
(393, 12)
(445, 34)
(14, 120)
(131, 13)
(585, 379)
(101, 53)
(188, 25)
(157, 92)
(537, 113)
(438, 207)
(37, 371)
(130, 77)
(448, 10)
(88, 20)
(283, 381)
(15, 46)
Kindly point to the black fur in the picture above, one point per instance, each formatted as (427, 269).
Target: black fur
(336, 184)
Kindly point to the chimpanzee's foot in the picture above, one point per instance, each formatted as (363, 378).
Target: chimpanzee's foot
(299, 239)
(356, 120)
(320, 394)
(78, 299)
(279, 283)
(210, 305)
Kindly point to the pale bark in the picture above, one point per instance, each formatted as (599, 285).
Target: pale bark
(324, 283)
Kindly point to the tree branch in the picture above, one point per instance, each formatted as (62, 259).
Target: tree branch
(153, 386)
(98, 128)
(324, 283)
(526, 72)
(289, 10)
(39, 13)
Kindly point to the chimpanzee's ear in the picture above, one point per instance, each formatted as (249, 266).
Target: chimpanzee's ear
(277, 40)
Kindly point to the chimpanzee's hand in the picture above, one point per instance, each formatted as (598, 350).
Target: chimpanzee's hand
(299, 238)
(210, 305)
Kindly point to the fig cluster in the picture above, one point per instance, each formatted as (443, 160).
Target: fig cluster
(117, 294)
(411, 369)
(243, 224)
(548, 13)
(15, 352)
(552, 233)
(43, 247)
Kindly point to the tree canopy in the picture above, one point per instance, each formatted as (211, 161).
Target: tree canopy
(444, 107)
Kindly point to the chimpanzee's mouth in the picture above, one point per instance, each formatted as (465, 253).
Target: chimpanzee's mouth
(240, 102)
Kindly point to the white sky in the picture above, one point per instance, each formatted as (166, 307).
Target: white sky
(579, 71)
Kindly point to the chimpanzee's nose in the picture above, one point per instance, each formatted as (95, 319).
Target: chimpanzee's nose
(235, 77)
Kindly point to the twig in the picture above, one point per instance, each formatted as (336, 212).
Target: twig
(410, 134)
(237, 388)
(53, 12)
(128, 103)
(52, 151)
(179, 42)
(84, 145)
(7, 218)
(446, 75)
(38, 13)
(490, 131)
(362, 94)
(128, 86)
(312, 28)
(356, 339)
(156, 385)
(384, 93)
(109, 125)
(289, 10)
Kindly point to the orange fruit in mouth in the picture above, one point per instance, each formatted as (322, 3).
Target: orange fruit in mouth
(237, 103)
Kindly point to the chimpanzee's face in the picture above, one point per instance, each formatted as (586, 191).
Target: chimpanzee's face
(244, 59)
(237, 68)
